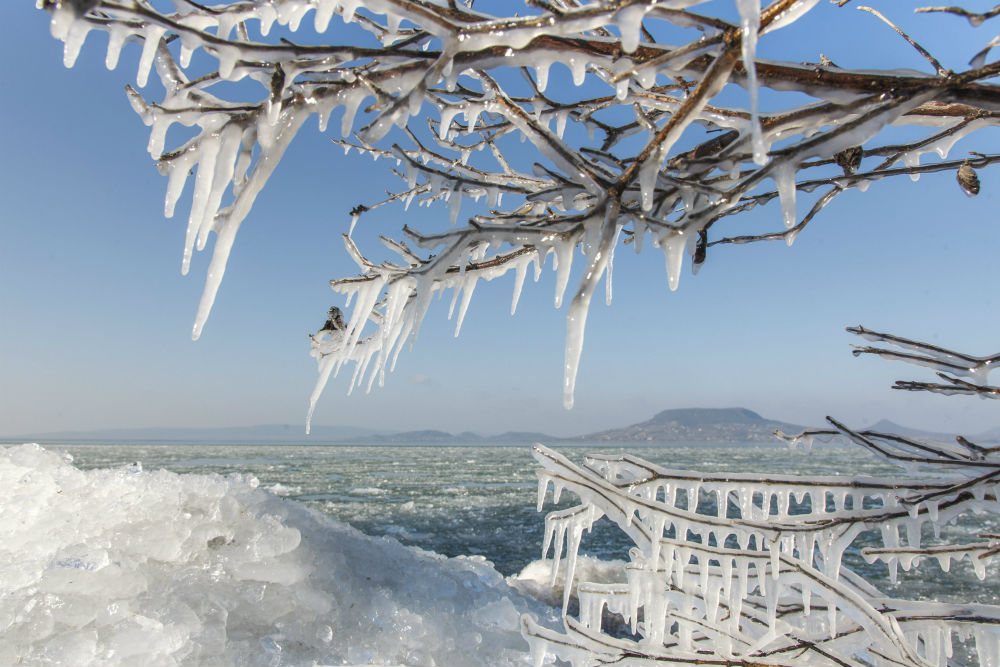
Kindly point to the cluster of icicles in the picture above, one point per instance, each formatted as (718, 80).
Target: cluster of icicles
(563, 205)
(731, 567)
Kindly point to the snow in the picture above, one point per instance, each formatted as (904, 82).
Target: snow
(125, 567)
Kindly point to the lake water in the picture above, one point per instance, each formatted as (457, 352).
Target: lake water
(480, 500)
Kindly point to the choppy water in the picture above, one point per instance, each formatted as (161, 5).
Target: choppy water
(480, 500)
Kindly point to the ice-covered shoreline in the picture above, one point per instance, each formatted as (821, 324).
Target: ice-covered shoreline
(124, 566)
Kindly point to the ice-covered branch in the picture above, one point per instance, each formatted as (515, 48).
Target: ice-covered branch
(748, 569)
(948, 363)
(953, 386)
(635, 142)
(734, 569)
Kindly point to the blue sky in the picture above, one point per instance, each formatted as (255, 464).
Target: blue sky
(95, 317)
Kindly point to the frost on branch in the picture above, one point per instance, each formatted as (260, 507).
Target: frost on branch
(578, 127)
(746, 569)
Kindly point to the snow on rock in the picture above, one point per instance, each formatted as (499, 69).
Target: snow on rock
(125, 567)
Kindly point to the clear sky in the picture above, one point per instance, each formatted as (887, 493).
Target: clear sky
(95, 317)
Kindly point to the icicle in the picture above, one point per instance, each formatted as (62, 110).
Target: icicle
(520, 271)
(911, 160)
(772, 596)
(750, 23)
(563, 260)
(180, 167)
(979, 566)
(784, 178)
(774, 549)
(656, 540)
(578, 67)
(467, 289)
(609, 272)
(542, 74)
(673, 249)
(638, 233)
(116, 40)
(576, 314)
(561, 118)
(326, 366)
(682, 557)
(352, 99)
(150, 43)
(559, 538)
(472, 112)
(831, 617)
(703, 573)
(572, 547)
(209, 151)
(543, 486)
(629, 22)
(63, 17)
(324, 12)
(648, 173)
(455, 201)
(74, 40)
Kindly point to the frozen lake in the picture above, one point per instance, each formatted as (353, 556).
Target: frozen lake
(289, 555)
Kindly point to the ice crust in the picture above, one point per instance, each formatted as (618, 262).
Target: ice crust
(127, 567)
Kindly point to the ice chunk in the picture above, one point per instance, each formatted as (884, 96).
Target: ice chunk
(125, 567)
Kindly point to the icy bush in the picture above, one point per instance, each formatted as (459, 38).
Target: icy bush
(129, 567)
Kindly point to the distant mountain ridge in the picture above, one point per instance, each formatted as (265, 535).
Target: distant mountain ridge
(674, 425)
(698, 425)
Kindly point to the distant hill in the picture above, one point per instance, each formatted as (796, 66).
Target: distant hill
(697, 425)
(677, 425)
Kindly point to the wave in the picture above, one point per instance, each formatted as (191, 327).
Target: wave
(124, 566)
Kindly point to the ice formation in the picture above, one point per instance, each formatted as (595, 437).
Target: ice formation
(132, 567)
(448, 93)
(744, 567)
(749, 569)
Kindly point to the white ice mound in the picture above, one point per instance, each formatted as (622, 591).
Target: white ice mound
(538, 579)
(125, 567)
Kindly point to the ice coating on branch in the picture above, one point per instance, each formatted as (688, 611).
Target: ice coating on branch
(727, 565)
(792, 14)
(129, 567)
(633, 97)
